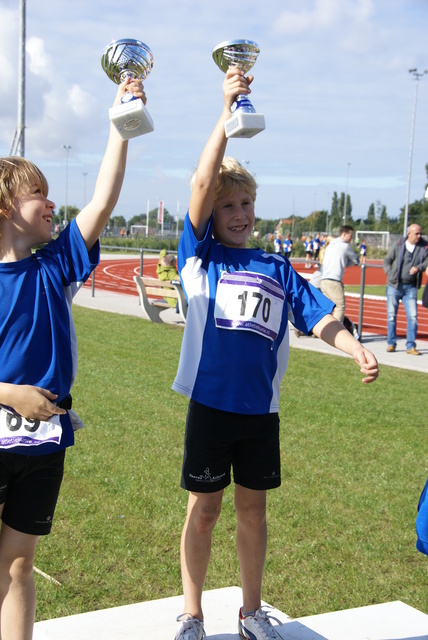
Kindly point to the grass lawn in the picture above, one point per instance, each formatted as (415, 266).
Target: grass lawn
(341, 526)
(372, 290)
(375, 290)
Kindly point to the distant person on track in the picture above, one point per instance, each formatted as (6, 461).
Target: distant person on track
(309, 249)
(404, 264)
(288, 246)
(278, 244)
(337, 256)
(38, 357)
(363, 251)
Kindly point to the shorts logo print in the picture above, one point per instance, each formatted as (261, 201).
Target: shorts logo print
(207, 477)
(274, 474)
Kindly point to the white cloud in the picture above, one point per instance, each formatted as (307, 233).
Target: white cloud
(8, 55)
(81, 102)
(39, 61)
(331, 80)
(325, 14)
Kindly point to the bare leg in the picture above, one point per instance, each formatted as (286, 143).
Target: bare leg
(203, 510)
(17, 589)
(251, 542)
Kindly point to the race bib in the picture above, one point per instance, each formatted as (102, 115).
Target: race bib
(16, 431)
(249, 302)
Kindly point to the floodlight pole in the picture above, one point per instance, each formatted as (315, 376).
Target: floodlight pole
(417, 76)
(67, 149)
(84, 187)
(18, 143)
(346, 194)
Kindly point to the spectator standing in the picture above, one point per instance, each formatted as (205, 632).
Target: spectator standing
(309, 248)
(404, 264)
(317, 247)
(278, 244)
(338, 255)
(288, 246)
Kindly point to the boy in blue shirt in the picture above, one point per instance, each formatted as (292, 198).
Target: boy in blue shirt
(233, 357)
(38, 357)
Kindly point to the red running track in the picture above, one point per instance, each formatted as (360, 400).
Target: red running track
(117, 275)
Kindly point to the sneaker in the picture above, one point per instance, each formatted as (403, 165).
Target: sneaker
(390, 348)
(191, 629)
(257, 626)
(413, 352)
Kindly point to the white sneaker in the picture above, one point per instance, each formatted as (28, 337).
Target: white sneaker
(257, 626)
(191, 629)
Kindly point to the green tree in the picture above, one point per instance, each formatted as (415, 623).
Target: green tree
(371, 218)
(349, 219)
(316, 221)
(264, 226)
(71, 214)
(335, 213)
(117, 221)
(382, 217)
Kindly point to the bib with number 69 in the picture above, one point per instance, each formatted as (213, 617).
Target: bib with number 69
(250, 302)
(16, 431)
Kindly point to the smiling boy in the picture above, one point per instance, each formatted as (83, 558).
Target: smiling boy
(38, 357)
(233, 357)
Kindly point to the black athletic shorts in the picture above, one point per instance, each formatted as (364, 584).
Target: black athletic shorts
(217, 440)
(29, 489)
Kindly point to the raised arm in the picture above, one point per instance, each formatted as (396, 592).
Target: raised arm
(93, 218)
(334, 333)
(202, 198)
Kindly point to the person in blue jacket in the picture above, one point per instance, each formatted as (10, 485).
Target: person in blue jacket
(38, 357)
(233, 357)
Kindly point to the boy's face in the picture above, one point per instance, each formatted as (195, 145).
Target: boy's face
(234, 219)
(32, 213)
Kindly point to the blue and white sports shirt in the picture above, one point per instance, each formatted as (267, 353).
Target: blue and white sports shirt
(37, 335)
(235, 344)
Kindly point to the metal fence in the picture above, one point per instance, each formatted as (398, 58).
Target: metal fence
(141, 253)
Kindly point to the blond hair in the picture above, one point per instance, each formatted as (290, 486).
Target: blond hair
(16, 175)
(231, 177)
(168, 260)
(322, 250)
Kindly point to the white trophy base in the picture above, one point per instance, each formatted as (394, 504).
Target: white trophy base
(131, 119)
(244, 125)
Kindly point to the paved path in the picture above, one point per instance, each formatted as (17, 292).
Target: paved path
(129, 305)
(115, 273)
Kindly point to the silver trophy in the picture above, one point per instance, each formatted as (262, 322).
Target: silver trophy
(129, 59)
(245, 122)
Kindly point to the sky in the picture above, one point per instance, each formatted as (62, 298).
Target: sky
(332, 80)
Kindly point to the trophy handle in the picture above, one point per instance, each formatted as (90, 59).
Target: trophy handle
(127, 97)
(243, 103)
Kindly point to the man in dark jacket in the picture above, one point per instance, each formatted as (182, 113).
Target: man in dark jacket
(406, 261)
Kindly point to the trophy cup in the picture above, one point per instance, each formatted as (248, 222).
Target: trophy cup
(245, 122)
(128, 59)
